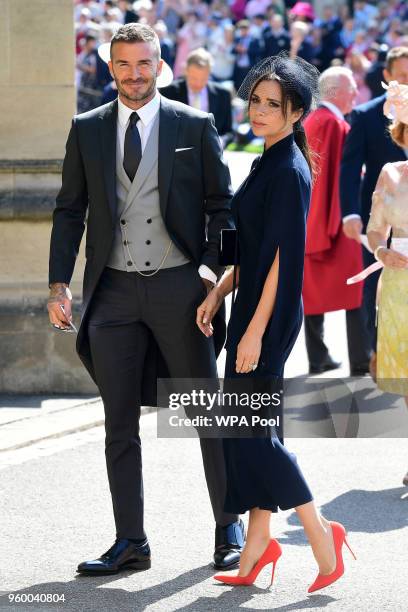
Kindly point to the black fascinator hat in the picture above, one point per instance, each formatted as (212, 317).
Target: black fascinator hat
(295, 75)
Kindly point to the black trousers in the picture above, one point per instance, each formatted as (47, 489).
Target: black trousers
(357, 340)
(124, 308)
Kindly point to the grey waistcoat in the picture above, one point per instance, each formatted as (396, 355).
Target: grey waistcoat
(139, 217)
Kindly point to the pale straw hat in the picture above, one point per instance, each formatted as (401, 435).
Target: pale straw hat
(396, 104)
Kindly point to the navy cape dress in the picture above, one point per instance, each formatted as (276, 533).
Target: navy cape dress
(270, 210)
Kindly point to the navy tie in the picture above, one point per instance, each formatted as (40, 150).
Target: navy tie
(133, 147)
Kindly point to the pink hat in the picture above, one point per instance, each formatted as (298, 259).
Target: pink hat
(303, 9)
(396, 104)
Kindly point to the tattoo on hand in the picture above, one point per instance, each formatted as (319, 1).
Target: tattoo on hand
(59, 292)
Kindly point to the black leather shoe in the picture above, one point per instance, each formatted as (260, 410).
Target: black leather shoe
(326, 366)
(360, 369)
(229, 542)
(123, 555)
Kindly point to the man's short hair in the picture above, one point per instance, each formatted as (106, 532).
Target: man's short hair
(136, 33)
(201, 58)
(329, 80)
(394, 54)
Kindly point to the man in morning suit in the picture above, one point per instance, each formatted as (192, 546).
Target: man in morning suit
(148, 172)
(197, 91)
(369, 144)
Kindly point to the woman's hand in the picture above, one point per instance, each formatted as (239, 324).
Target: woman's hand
(248, 352)
(392, 259)
(207, 310)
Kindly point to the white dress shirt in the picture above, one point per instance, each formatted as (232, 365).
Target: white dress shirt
(198, 99)
(147, 114)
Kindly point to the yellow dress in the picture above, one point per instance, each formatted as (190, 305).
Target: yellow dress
(390, 210)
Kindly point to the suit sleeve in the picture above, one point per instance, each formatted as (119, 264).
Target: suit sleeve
(285, 228)
(170, 92)
(69, 214)
(352, 162)
(217, 194)
(226, 127)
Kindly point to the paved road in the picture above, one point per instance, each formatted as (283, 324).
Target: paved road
(55, 510)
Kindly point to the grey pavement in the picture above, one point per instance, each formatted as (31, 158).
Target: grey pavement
(28, 419)
(56, 512)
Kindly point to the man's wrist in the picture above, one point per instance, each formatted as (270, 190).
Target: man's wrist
(60, 291)
(209, 284)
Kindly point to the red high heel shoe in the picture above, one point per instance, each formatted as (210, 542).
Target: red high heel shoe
(339, 538)
(271, 555)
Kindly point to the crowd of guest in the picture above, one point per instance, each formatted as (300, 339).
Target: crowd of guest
(238, 33)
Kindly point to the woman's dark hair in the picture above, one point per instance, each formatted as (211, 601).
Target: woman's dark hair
(292, 98)
(299, 84)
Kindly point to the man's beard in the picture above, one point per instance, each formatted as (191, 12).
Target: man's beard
(137, 97)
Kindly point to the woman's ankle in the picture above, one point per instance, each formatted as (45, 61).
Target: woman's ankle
(258, 539)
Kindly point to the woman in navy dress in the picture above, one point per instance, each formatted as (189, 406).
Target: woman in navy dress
(270, 209)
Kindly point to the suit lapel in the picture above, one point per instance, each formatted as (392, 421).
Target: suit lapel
(168, 130)
(183, 91)
(107, 127)
(212, 99)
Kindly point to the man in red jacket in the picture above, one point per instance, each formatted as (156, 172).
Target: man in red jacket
(331, 257)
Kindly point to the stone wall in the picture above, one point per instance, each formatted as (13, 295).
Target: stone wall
(37, 77)
(36, 107)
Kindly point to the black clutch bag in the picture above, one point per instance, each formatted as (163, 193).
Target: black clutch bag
(228, 254)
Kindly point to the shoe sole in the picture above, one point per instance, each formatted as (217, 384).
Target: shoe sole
(313, 371)
(226, 567)
(136, 566)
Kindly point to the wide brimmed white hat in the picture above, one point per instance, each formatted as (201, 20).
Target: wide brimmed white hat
(163, 80)
(396, 104)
